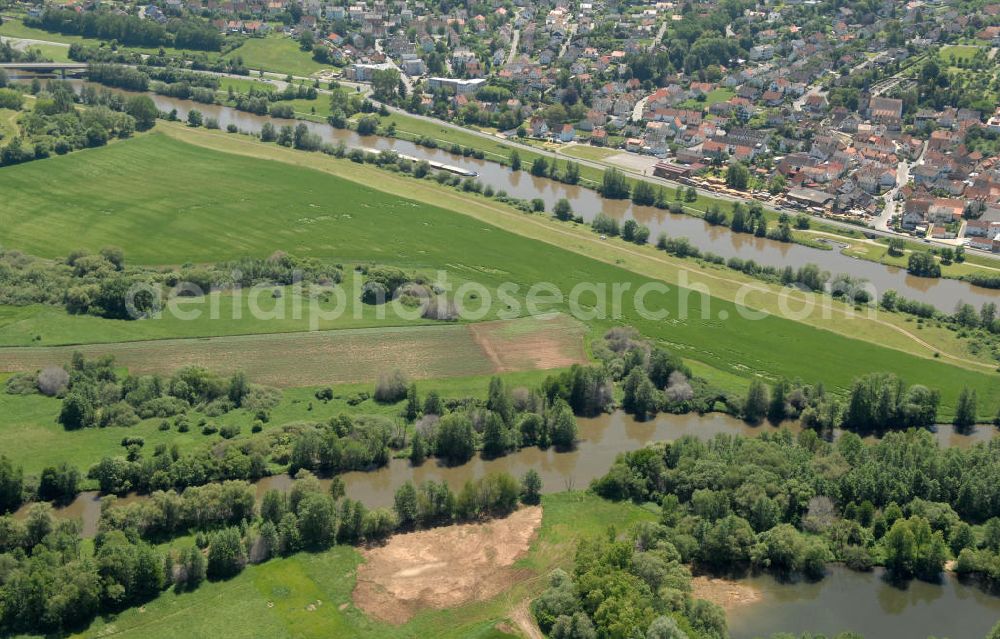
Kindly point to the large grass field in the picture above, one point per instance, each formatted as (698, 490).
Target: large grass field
(277, 53)
(239, 607)
(205, 206)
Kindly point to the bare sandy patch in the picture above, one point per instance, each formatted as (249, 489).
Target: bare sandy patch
(725, 592)
(444, 567)
(531, 343)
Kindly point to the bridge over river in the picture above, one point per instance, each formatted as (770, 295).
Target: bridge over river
(46, 67)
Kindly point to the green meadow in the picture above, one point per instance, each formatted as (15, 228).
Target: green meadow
(277, 53)
(957, 52)
(203, 206)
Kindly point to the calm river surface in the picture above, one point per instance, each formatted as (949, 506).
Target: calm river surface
(601, 440)
(866, 604)
(944, 294)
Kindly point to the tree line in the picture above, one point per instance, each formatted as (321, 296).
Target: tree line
(182, 33)
(195, 61)
(98, 283)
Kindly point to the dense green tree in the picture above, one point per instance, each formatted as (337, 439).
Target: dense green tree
(727, 544)
(923, 264)
(776, 411)
(412, 403)
(433, 404)
(11, 485)
(737, 176)
(912, 548)
(755, 404)
(614, 185)
(455, 442)
(499, 401)
(662, 363)
(317, 520)
(226, 556)
(515, 161)
(418, 450)
(385, 83)
(966, 410)
(563, 210)
(665, 628)
(643, 193)
(562, 426)
(639, 394)
(406, 506)
(540, 167)
(558, 600)
(498, 438)
(273, 506)
(378, 524)
(58, 483)
(143, 109)
(531, 487)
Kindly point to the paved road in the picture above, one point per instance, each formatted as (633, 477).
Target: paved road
(569, 38)
(516, 39)
(902, 177)
(659, 35)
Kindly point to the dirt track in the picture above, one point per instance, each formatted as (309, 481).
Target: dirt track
(444, 567)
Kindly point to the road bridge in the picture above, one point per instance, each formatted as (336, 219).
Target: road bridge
(45, 67)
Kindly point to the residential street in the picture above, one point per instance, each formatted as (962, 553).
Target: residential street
(881, 223)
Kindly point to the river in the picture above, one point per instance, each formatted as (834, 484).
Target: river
(943, 293)
(867, 604)
(601, 439)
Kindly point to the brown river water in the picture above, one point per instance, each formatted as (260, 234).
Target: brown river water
(865, 603)
(601, 440)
